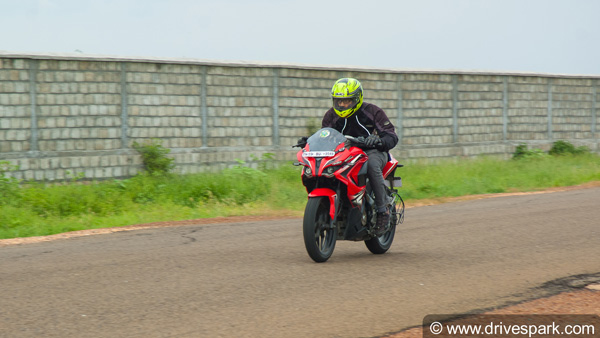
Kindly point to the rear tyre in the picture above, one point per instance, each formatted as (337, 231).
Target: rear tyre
(319, 234)
(380, 245)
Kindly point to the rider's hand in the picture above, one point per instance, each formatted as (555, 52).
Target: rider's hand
(302, 142)
(373, 141)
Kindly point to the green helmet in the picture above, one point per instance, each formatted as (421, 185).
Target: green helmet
(347, 95)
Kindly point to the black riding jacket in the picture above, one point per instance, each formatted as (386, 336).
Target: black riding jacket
(367, 120)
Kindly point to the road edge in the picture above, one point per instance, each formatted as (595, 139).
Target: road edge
(255, 218)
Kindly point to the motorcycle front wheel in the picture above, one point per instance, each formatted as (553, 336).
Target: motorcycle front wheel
(320, 234)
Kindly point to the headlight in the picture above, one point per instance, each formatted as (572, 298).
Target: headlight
(330, 170)
(307, 172)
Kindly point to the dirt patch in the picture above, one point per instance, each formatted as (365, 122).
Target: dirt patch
(572, 295)
(585, 301)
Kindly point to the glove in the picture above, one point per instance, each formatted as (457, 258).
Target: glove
(373, 141)
(301, 142)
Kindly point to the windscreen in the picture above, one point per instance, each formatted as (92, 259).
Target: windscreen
(325, 139)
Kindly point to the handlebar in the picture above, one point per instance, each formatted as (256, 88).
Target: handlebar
(356, 140)
(360, 141)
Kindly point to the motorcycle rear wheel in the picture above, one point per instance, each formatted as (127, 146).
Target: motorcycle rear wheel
(319, 234)
(380, 245)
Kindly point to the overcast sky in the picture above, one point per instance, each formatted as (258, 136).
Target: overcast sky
(547, 36)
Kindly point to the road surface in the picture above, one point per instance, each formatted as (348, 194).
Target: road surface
(256, 280)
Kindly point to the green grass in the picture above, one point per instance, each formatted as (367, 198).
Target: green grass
(36, 209)
(488, 175)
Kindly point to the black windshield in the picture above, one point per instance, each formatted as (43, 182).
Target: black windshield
(325, 139)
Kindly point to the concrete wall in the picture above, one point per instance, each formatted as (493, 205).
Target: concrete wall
(62, 115)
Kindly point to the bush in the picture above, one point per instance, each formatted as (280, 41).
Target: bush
(246, 184)
(558, 148)
(73, 199)
(566, 148)
(521, 152)
(154, 157)
(9, 186)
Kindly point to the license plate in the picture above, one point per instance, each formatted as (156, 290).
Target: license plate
(318, 153)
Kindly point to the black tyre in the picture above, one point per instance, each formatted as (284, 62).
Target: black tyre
(319, 234)
(380, 245)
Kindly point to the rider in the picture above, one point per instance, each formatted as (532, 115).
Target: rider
(351, 116)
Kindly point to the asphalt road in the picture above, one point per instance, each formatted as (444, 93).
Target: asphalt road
(256, 280)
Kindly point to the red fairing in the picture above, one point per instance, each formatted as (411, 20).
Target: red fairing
(330, 194)
(333, 160)
(347, 162)
(357, 158)
(389, 166)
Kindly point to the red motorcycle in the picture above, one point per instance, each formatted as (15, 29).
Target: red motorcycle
(341, 203)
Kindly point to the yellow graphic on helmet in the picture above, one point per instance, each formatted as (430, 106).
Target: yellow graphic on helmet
(347, 96)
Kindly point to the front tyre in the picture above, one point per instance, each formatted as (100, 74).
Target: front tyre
(319, 233)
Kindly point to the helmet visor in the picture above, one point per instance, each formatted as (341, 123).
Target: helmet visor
(344, 103)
